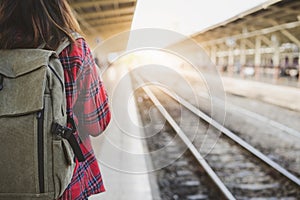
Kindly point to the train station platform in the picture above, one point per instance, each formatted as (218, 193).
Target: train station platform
(280, 95)
(120, 150)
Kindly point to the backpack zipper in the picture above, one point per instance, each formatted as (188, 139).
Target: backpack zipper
(1, 81)
(40, 145)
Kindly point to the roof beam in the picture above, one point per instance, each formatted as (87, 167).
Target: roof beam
(107, 13)
(240, 16)
(98, 3)
(249, 43)
(258, 32)
(286, 33)
(266, 40)
(84, 23)
(121, 25)
(291, 37)
(111, 20)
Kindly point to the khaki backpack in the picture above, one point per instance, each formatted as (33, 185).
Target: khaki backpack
(36, 148)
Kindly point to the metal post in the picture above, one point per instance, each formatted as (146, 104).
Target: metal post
(299, 68)
(221, 63)
(276, 57)
(230, 67)
(257, 57)
(213, 56)
(242, 57)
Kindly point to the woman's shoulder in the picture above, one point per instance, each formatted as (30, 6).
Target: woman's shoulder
(77, 57)
(79, 48)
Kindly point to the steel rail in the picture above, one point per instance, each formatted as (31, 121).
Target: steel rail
(234, 137)
(264, 119)
(187, 142)
(256, 116)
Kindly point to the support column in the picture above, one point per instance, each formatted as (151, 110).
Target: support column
(221, 64)
(242, 57)
(290, 59)
(213, 54)
(276, 58)
(257, 57)
(299, 68)
(276, 63)
(230, 66)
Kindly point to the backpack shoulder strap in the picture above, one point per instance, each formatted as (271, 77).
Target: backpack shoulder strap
(64, 131)
(66, 42)
(62, 46)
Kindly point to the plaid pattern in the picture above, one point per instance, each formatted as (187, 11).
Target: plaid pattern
(87, 104)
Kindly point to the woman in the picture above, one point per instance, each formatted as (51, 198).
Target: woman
(44, 23)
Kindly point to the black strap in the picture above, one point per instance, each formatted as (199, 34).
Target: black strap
(74, 144)
(1, 82)
(68, 134)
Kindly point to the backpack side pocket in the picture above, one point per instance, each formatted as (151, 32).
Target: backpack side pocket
(63, 165)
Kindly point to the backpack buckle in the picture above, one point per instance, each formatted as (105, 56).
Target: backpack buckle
(61, 130)
(67, 133)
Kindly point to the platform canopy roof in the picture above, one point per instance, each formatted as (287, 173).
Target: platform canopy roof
(104, 17)
(279, 18)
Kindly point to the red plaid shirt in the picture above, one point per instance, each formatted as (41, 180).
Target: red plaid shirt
(87, 104)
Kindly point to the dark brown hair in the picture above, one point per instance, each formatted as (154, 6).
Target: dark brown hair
(30, 23)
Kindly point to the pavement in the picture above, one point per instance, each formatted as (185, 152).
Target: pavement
(120, 150)
(283, 96)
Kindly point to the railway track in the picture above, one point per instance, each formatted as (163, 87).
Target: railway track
(235, 168)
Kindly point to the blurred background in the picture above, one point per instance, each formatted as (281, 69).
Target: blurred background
(205, 97)
(252, 38)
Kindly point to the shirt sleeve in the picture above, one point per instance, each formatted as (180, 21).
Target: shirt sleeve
(92, 103)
